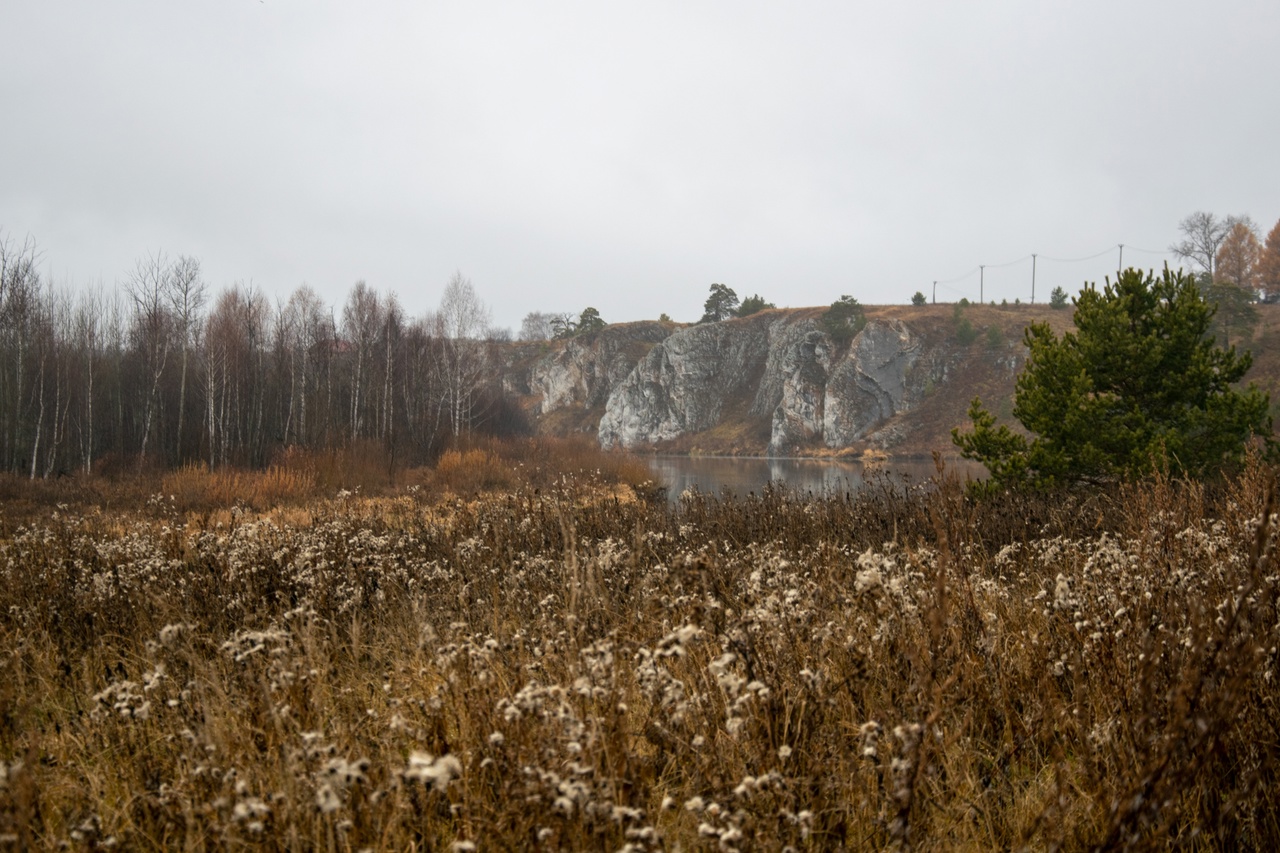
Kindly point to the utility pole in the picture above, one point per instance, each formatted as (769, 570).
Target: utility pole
(1121, 257)
(982, 277)
(1033, 278)
(935, 293)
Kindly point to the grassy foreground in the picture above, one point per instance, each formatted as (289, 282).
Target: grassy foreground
(557, 669)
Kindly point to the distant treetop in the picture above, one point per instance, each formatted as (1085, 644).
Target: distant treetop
(753, 304)
(720, 305)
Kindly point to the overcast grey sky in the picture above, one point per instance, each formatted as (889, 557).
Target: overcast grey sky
(626, 156)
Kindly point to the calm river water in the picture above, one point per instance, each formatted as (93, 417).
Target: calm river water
(742, 475)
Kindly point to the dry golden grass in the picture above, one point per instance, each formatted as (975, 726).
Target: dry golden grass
(197, 486)
(473, 471)
(298, 477)
(539, 463)
(553, 668)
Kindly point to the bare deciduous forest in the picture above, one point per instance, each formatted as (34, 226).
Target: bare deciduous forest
(164, 372)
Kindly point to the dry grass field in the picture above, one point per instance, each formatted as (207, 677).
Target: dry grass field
(565, 665)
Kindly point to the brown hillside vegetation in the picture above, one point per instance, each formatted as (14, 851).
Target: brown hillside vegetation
(556, 669)
(1263, 341)
(987, 367)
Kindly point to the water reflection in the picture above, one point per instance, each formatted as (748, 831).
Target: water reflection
(743, 475)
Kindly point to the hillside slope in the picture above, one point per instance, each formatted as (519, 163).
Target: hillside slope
(775, 384)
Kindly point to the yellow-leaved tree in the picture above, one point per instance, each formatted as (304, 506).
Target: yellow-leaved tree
(1238, 256)
(1269, 266)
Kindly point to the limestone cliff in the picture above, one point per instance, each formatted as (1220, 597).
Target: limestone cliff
(564, 384)
(811, 391)
(683, 384)
(585, 370)
(774, 382)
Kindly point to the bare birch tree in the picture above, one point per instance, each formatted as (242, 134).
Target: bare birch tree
(115, 345)
(392, 328)
(59, 317)
(150, 286)
(462, 325)
(40, 334)
(235, 388)
(361, 324)
(88, 340)
(418, 396)
(187, 295)
(536, 326)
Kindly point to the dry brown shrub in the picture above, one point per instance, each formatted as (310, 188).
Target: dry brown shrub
(366, 465)
(471, 471)
(493, 465)
(195, 487)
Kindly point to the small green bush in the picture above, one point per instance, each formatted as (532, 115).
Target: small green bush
(844, 319)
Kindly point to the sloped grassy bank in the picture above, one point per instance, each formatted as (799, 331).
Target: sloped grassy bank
(554, 669)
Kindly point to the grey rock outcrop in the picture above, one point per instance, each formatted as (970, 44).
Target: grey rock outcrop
(840, 401)
(794, 389)
(683, 384)
(583, 371)
(793, 373)
(773, 382)
(871, 384)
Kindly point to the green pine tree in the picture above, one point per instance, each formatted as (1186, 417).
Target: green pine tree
(753, 304)
(720, 305)
(589, 321)
(1139, 384)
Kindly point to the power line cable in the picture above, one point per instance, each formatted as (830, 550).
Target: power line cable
(1105, 251)
(958, 278)
(1009, 264)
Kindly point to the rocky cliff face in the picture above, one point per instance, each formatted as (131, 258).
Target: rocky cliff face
(684, 383)
(839, 399)
(579, 373)
(811, 391)
(773, 382)
(875, 381)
